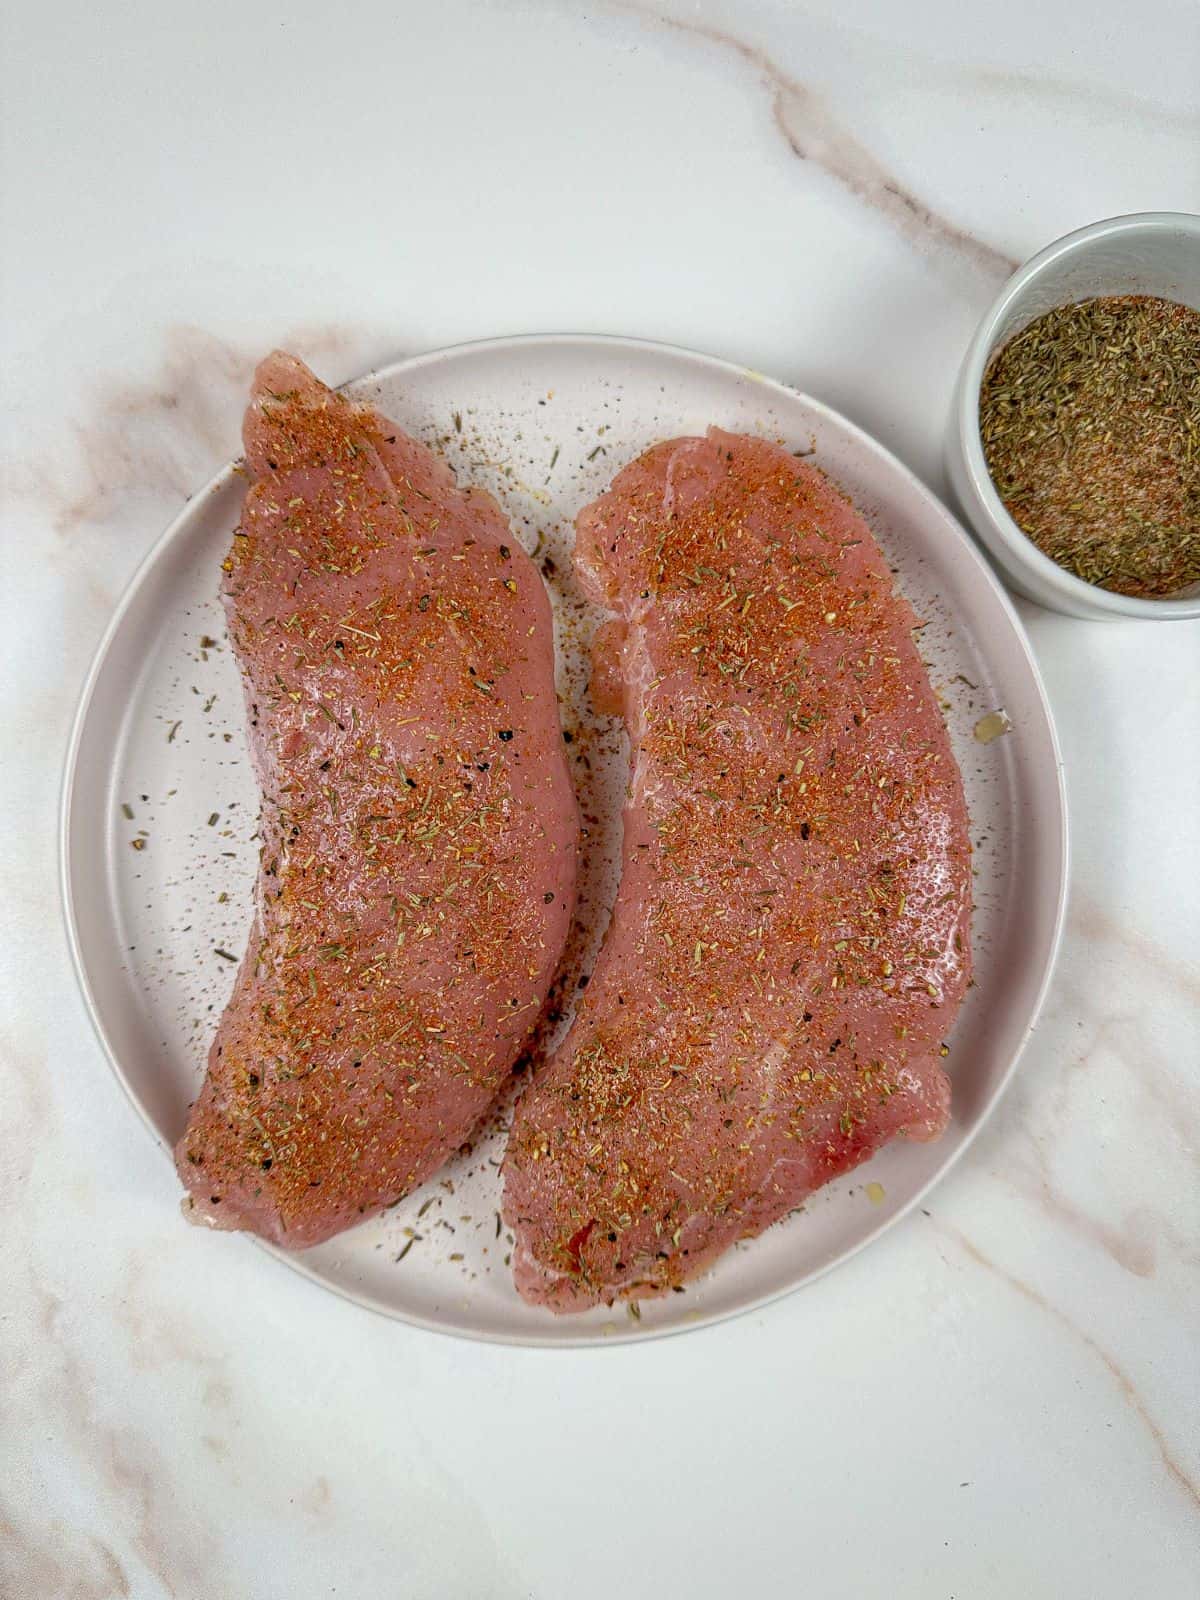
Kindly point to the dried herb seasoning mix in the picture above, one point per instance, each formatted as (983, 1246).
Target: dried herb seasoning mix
(1090, 421)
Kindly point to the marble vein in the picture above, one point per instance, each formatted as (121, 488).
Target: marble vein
(128, 1469)
(1098, 101)
(164, 435)
(1112, 986)
(1124, 1382)
(815, 134)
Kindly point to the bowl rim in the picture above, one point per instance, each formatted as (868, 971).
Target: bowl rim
(1019, 548)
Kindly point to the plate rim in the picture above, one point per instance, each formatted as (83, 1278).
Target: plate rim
(523, 343)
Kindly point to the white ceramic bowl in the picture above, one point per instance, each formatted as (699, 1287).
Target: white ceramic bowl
(1154, 252)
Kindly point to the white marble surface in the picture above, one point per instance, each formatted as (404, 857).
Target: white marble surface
(1000, 1397)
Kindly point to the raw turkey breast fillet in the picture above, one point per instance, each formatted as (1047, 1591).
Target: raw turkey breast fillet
(419, 830)
(790, 940)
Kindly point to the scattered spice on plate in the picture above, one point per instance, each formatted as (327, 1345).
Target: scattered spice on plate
(1090, 422)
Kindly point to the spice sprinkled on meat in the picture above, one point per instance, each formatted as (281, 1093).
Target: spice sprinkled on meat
(419, 830)
(790, 940)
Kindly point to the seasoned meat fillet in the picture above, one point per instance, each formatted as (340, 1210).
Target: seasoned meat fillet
(790, 941)
(419, 828)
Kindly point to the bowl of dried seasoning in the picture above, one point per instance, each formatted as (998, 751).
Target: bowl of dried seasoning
(1074, 441)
